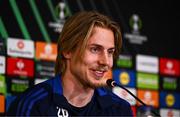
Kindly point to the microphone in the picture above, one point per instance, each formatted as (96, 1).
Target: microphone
(111, 83)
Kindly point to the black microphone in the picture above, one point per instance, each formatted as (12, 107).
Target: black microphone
(111, 83)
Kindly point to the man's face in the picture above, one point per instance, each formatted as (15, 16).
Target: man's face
(89, 71)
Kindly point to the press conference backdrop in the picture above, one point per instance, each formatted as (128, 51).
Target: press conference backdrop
(149, 65)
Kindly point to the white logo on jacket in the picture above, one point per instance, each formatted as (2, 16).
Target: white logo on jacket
(62, 112)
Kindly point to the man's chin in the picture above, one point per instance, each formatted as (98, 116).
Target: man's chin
(97, 85)
(97, 82)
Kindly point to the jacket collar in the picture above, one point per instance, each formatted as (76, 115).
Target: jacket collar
(103, 98)
(101, 94)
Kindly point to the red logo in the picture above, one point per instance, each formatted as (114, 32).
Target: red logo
(20, 44)
(169, 67)
(133, 108)
(170, 113)
(20, 67)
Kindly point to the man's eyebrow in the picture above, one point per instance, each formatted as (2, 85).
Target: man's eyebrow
(113, 48)
(97, 45)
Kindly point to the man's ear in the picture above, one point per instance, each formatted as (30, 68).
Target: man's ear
(67, 55)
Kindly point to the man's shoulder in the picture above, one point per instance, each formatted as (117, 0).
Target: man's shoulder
(112, 96)
(33, 96)
(35, 93)
(43, 87)
(113, 103)
(116, 99)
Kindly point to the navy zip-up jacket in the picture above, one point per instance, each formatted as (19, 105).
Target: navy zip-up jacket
(46, 99)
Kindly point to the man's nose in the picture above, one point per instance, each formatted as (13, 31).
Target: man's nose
(104, 59)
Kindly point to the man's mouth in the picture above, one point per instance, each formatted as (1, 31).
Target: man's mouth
(99, 73)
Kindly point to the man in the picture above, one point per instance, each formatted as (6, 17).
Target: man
(87, 46)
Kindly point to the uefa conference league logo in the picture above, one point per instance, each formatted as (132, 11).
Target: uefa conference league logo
(135, 23)
(61, 12)
(134, 37)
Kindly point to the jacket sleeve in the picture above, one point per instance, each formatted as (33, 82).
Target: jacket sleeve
(12, 110)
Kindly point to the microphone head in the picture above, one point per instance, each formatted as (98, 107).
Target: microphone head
(110, 82)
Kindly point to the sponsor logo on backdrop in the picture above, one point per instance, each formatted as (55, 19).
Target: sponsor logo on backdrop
(20, 67)
(133, 108)
(62, 12)
(18, 85)
(45, 69)
(20, 44)
(2, 103)
(147, 81)
(2, 46)
(20, 48)
(169, 112)
(135, 24)
(46, 51)
(146, 63)
(169, 67)
(169, 99)
(169, 83)
(124, 77)
(2, 64)
(124, 61)
(125, 95)
(149, 97)
(2, 85)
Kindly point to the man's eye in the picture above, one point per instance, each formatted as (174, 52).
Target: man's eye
(111, 52)
(94, 50)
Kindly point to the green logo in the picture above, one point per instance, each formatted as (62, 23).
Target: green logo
(169, 83)
(147, 81)
(124, 61)
(2, 85)
(19, 85)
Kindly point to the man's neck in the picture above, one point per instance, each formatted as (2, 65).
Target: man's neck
(76, 94)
